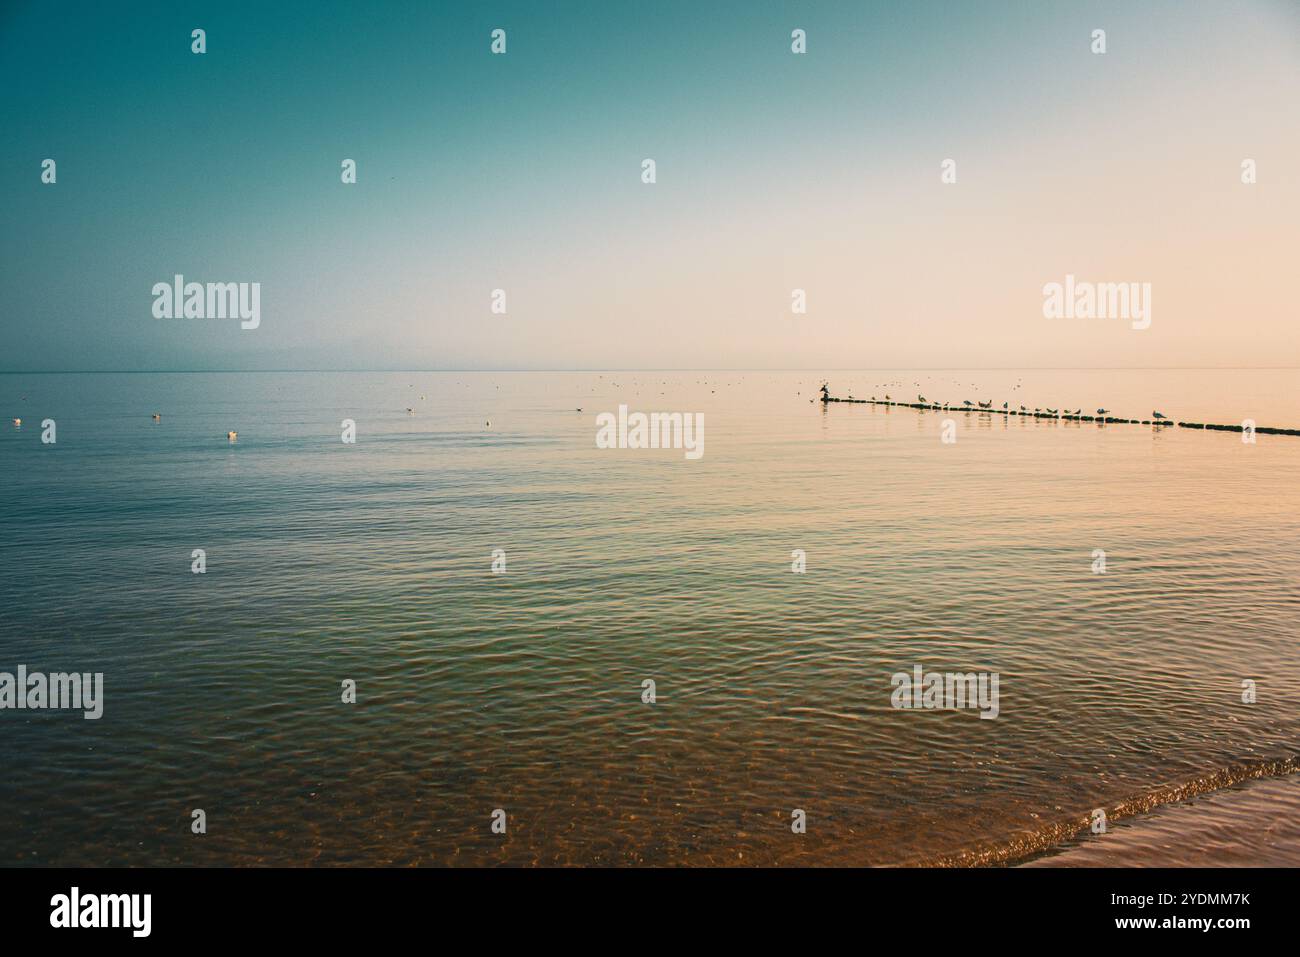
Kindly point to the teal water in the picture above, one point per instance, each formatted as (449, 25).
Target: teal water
(522, 691)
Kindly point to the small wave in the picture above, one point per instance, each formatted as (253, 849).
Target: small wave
(1049, 837)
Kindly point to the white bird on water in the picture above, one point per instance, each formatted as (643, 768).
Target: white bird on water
(232, 436)
(18, 421)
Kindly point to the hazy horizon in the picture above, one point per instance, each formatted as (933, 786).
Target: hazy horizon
(542, 370)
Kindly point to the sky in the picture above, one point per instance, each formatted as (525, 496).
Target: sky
(775, 171)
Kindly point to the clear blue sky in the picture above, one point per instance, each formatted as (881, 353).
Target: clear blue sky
(522, 172)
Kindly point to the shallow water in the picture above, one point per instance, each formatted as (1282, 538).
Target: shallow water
(522, 691)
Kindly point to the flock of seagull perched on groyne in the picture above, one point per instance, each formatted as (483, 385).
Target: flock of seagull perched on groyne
(1077, 415)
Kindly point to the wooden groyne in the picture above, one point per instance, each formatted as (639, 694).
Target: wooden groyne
(1065, 416)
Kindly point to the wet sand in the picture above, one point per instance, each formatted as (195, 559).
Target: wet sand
(1252, 824)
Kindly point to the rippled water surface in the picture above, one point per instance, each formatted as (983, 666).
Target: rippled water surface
(522, 691)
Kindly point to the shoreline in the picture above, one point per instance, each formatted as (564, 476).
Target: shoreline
(1253, 823)
(1133, 817)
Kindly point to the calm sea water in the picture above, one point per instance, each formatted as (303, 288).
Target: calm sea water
(522, 691)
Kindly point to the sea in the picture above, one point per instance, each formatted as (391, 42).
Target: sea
(472, 637)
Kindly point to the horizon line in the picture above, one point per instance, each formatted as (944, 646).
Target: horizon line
(1284, 368)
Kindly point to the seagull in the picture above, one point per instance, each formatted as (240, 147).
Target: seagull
(1023, 409)
(1158, 415)
(967, 402)
(410, 411)
(157, 417)
(1004, 405)
(1052, 411)
(987, 405)
(920, 398)
(18, 421)
(232, 436)
(1103, 411)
